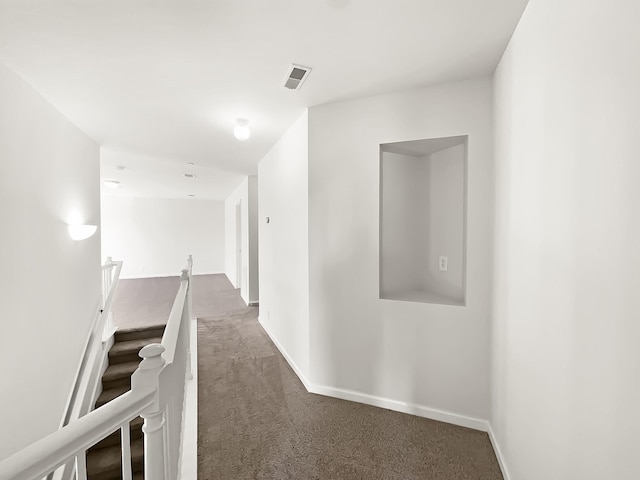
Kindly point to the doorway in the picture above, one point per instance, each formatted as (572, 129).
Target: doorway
(238, 245)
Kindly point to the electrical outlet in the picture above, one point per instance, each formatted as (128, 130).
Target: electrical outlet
(443, 263)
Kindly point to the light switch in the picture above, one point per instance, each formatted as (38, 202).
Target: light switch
(442, 262)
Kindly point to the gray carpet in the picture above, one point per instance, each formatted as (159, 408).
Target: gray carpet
(144, 302)
(256, 420)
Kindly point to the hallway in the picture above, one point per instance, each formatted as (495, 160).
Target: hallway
(256, 420)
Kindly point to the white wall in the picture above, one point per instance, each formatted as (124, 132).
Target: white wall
(50, 285)
(434, 356)
(566, 363)
(246, 194)
(405, 218)
(154, 236)
(446, 223)
(284, 250)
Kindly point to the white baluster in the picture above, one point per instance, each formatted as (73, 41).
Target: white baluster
(147, 376)
(81, 465)
(109, 274)
(126, 451)
(104, 287)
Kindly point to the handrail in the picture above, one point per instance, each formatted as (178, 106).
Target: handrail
(114, 283)
(170, 337)
(171, 331)
(56, 449)
(69, 406)
(96, 334)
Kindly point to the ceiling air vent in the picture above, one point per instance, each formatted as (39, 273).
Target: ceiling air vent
(296, 75)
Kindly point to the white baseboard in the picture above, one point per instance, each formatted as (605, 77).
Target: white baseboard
(292, 364)
(164, 275)
(389, 404)
(404, 407)
(499, 454)
(139, 276)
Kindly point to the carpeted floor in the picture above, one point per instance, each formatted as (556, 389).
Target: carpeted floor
(143, 302)
(256, 420)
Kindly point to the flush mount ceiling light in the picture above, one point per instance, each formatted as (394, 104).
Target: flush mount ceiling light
(241, 130)
(111, 183)
(81, 232)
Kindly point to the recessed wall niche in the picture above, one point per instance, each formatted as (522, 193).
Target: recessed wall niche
(423, 192)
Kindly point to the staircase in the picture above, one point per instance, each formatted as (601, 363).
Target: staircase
(82, 447)
(104, 458)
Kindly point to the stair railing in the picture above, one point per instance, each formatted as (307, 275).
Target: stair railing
(110, 277)
(87, 379)
(86, 384)
(177, 357)
(157, 395)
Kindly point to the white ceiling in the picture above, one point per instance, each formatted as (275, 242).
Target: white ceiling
(162, 82)
(151, 176)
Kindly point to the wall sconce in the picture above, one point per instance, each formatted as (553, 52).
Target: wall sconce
(81, 232)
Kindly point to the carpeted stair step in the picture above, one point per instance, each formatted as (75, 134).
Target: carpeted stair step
(109, 394)
(119, 375)
(103, 459)
(139, 333)
(127, 351)
(135, 432)
(106, 463)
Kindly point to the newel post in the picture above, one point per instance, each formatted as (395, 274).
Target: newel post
(144, 378)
